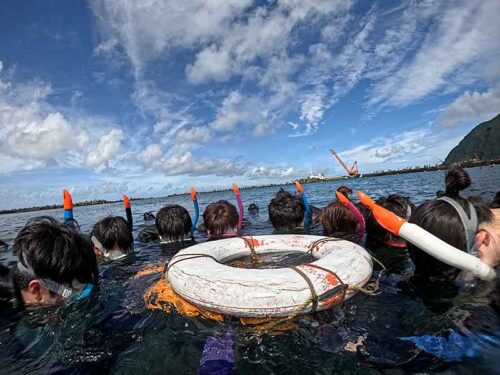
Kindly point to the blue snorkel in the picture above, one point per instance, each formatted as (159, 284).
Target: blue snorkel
(196, 211)
(302, 195)
(68, 207)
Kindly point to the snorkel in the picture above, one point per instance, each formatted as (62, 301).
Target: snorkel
(128, 211)
(196, 211)
(236, 192)
(427, 242)
(68, 206)
(351, 207)
(302, 195)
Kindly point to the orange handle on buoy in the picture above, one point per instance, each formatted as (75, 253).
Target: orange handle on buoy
(387, 219)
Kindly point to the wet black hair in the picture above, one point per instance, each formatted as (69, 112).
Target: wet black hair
(442, 220)
(147, 216)
(286, 211)
(55, 252)
(10, 294)
(253, 208)
(345, 190)
(219, 217)
(495, 203)
(173, 222)
(113, 230)
(337, 218)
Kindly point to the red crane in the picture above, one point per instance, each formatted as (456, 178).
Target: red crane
(353, 171)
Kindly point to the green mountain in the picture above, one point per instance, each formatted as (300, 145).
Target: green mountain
(483, 142)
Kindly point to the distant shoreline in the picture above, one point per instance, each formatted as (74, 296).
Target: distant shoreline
(426, 168)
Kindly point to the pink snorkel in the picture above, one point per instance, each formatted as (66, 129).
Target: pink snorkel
(236, 192)
(361, 220)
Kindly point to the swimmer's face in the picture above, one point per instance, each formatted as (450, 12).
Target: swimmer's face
(38, 294)
(488, 240)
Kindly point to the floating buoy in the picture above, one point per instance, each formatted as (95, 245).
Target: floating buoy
(199, 275)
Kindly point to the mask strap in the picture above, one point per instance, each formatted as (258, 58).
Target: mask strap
(469, 223)
(408, 211)
(100, 246)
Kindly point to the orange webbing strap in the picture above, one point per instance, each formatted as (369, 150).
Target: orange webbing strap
(188, 257)
(250, 242)
(314, 296)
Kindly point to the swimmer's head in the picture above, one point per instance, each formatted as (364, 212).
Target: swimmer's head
(337, 218)
(220, 219)
(173, 223)
(442, 220)
(488, 239)
(54, 262)
(286, 211)
(253, 208)
(344, 190)
(114, 239)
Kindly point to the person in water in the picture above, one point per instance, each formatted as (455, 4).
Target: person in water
(453, 219)
(221, 220)
(337, 218)
(174, 224)
(286, 211)
(488, 236)
(112, 238)
(55, 263)
(401, 206)
(253, 208)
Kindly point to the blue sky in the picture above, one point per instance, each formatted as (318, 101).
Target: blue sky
(148, 98)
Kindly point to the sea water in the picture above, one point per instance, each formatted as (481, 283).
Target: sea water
(113, 332)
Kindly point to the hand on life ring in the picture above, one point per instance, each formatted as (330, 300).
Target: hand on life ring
(199, 275)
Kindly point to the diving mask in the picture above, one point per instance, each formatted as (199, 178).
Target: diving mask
(110, 254)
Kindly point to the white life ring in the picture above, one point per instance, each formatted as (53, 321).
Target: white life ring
(199, 275)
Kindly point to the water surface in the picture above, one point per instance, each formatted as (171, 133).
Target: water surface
(113, 332)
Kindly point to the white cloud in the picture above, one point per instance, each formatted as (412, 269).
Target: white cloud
(273, 172)
(201, 134)
(465, 34)
(231, 112)
(472, 106)
(107, 148)
(427, 145)
(34, 134)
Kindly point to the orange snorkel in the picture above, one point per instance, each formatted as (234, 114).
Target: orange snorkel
(194, 198)
(427, 242)
(361, 220)
(68, 206)
(236, 192)
(302, 195)
(128, 211)
(387, 219)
